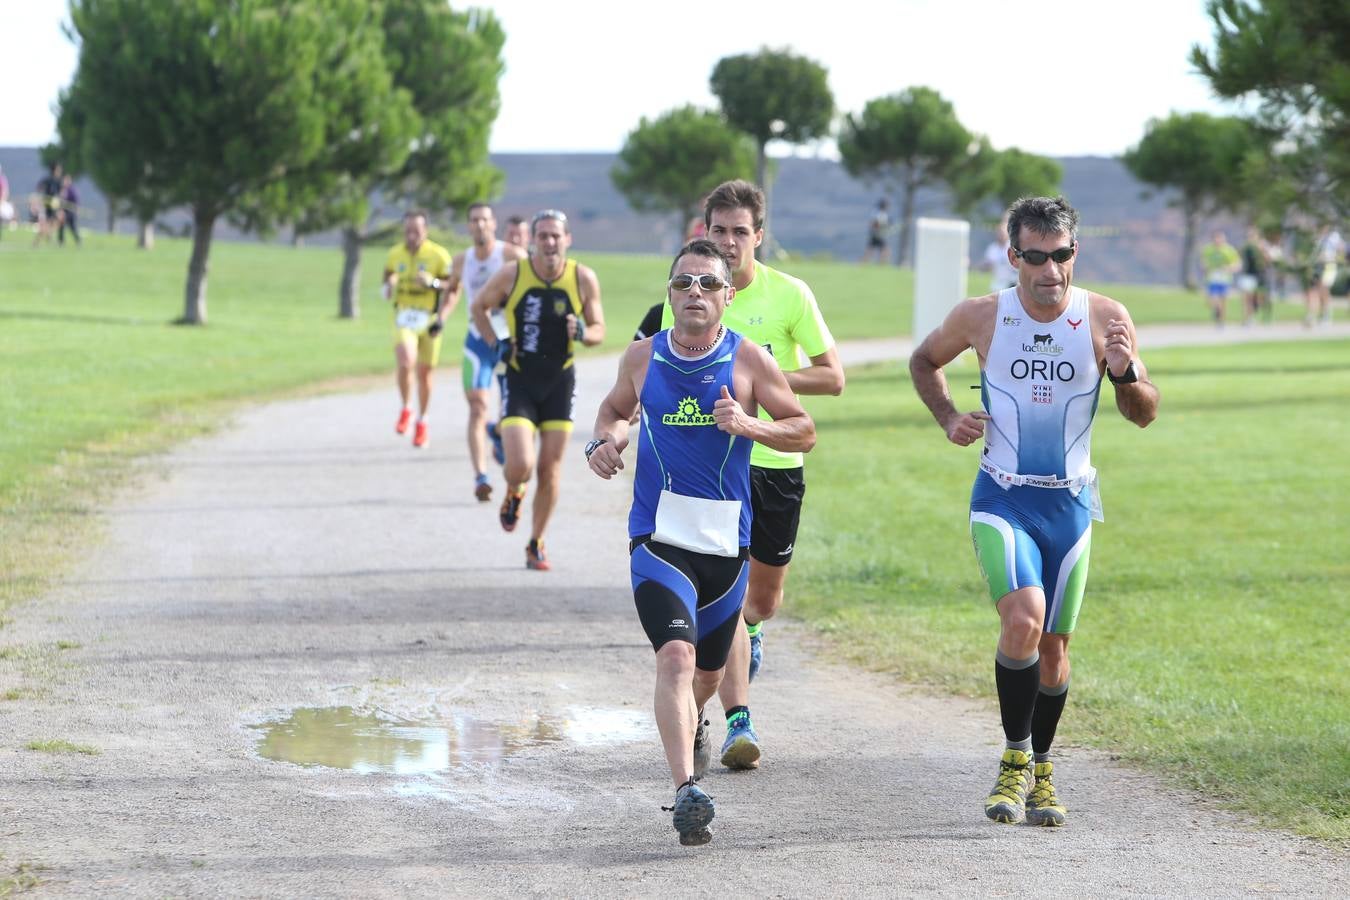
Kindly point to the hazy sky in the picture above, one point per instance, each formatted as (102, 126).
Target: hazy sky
(1058, 79)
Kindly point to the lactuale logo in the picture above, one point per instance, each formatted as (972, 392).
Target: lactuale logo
(687, 413)
(1043, 345)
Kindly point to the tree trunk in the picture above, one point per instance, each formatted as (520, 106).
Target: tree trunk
(194, 306)
(349, 301)
(112, 215)
(1189, 216)
(145, 234)
(762, 173)
(906, 223)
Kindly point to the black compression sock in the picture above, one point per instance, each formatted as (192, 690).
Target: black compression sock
(1017, 681)
(1044, 721)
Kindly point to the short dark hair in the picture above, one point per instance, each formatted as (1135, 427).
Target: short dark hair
(480, 204)
(417, 214)
(736, 194)
(705, 248)
(1044, 216)
(515, 220)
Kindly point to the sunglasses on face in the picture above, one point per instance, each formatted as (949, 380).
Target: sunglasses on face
(1038, 257)
(557, 214)
(708, 282)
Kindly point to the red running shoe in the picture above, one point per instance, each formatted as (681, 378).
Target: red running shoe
(535, 558)
(404, 419)
(420, 438)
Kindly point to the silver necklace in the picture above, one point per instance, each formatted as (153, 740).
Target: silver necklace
(705, 348)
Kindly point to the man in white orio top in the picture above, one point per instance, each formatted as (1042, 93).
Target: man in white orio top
(1043, 347)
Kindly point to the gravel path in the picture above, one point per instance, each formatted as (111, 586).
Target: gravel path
(303, 557)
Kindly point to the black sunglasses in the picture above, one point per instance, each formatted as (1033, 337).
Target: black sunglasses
(1038, 257)
(707, 282)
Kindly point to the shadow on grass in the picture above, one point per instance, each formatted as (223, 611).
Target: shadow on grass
(82, 318)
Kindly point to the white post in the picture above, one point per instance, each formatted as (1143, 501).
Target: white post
(941, 261)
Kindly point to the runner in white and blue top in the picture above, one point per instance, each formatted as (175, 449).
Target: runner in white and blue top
(697, 388)
(1039, 385)
(1043, 348)
(470, 271)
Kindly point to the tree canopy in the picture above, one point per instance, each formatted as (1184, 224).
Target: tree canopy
(447, 65)
(774, 95)
(906, 141)
(670, 163)
(1294, 55)
(1200, 158)
(993, 180)
(211, 104)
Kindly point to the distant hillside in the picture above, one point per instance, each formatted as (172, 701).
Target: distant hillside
(818, 210)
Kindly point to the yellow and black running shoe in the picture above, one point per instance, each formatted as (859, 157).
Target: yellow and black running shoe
(1008, 801)
(1043, 807)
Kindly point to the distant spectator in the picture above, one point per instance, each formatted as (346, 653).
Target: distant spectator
(1001, 272)
(1329, 255)
(1255, 277)
(6, 208)
(1221, 262)
(70, 202)
(696, 229)
(518, 232)
(877, 227)
(48, 204)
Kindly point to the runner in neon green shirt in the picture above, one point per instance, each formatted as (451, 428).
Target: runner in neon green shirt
(778, 312)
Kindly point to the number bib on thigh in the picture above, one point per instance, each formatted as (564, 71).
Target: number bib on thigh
(413, 319)
(698, 524)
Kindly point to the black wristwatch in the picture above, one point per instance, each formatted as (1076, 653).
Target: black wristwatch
(1130, 376)
(590, 447)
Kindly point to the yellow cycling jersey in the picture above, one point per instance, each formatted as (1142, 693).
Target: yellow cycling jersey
(409, 292)
(537, 311)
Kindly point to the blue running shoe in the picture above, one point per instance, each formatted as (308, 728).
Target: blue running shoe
(741, 749)
(482, 487)
(756, 651)
(498, 451)
(693, 810)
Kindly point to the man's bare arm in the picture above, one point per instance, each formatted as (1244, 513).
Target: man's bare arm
(825, 375)
(591, 310)
(1137, 401)
(952, 338)
(493, 295)
(452, 287)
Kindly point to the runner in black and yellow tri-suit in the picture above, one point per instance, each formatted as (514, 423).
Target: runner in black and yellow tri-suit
(550, 303)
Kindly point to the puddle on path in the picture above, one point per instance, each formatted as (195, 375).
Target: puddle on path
(378, 742)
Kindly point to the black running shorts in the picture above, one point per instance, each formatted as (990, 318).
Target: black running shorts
(685, 596)
(776, 500)
(544, 399)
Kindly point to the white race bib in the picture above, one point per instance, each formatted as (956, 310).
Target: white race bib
(413, 319)
(698, 524)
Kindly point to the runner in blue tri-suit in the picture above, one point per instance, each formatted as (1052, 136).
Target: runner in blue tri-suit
(698, 388)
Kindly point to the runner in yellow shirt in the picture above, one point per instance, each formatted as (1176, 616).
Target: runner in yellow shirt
(416, 275)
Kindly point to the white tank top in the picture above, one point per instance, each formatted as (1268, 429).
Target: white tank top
(1040, 386)
(476, 274)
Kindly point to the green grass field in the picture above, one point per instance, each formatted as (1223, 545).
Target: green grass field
(1210, 632)
(1211, 640)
